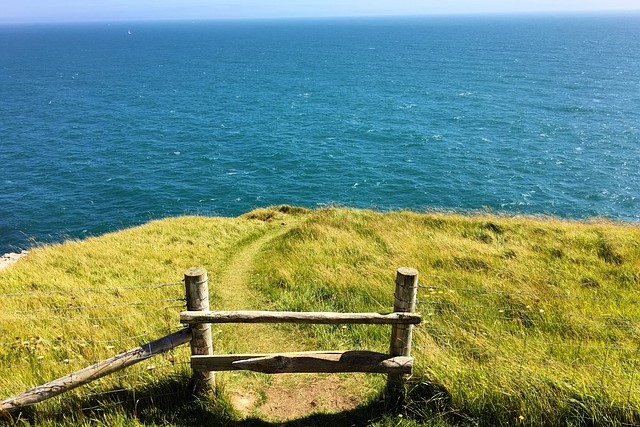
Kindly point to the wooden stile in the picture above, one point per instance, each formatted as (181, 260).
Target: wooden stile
(396, 364)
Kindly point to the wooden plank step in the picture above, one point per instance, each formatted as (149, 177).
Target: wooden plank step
(307, 362)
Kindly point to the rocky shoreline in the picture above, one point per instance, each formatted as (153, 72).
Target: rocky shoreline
(11, 258)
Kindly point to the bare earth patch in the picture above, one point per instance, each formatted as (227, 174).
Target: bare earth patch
(244, 401)
(287, 399)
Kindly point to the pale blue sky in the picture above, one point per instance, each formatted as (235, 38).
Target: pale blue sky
(117, 10)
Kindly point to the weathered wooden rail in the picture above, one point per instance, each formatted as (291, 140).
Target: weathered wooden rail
(307, 362)
(198, 318)
(95, 371)
(319, 318)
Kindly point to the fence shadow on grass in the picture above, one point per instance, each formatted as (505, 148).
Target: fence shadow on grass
(170, 401)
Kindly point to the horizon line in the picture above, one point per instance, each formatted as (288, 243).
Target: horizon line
(547, 13)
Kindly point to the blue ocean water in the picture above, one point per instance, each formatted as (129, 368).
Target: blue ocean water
(103, 126)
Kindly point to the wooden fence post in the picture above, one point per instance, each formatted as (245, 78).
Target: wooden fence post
(404, 301)
(197, 292)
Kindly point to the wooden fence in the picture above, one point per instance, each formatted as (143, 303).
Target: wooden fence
(397, 364)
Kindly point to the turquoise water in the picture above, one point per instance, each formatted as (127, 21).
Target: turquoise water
(103, 126)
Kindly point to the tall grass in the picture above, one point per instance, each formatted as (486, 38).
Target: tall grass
(527, 321)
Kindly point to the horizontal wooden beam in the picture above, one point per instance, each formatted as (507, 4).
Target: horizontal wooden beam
(224, 362)
(326, 318)
(96, 371)
(307, 362)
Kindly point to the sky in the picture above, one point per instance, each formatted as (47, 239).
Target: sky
(25, 11)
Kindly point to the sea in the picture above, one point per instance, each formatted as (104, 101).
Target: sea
(104, 125)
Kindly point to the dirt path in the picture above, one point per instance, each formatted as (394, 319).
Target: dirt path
(233, 287)
(234, 293)
(278, 397)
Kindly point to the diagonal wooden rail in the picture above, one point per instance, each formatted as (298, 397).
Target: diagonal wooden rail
(98, 370)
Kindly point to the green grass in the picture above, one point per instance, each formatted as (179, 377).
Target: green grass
(527, 321)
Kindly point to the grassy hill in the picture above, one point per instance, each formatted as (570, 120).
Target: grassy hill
(528, 321)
